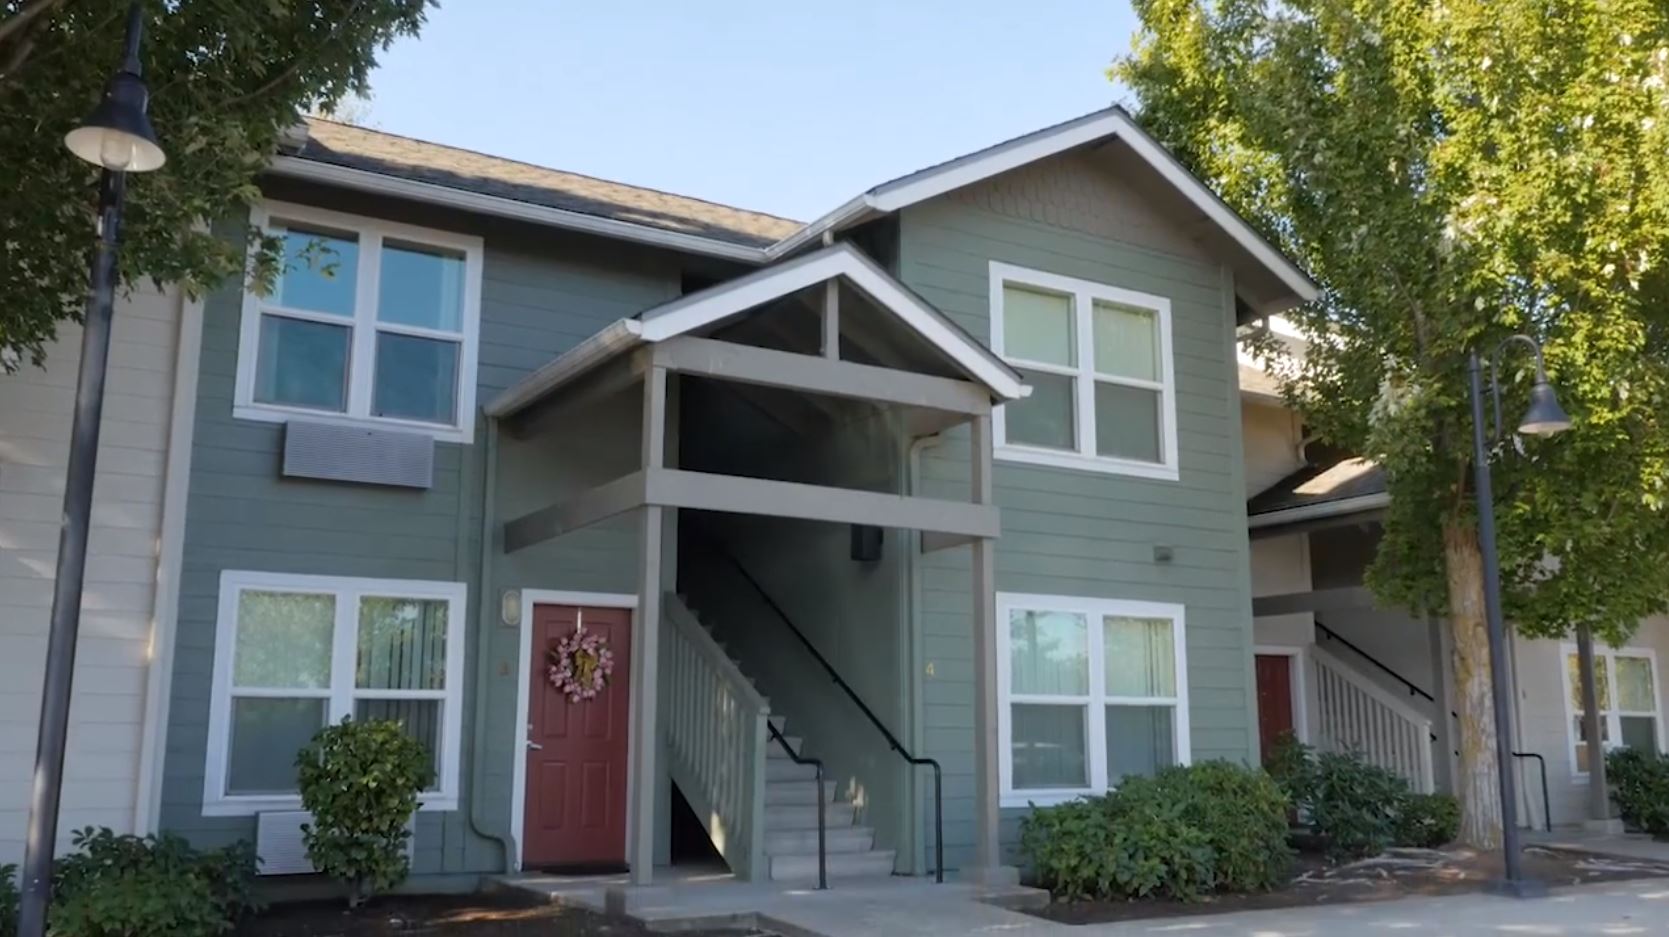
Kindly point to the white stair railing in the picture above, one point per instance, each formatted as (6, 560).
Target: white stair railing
(1355, 714)
(716, 724)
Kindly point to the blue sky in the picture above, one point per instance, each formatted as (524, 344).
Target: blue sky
(786, 107)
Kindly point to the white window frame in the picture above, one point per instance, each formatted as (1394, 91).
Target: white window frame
(1084, 293)
(1096, 700)
(1613, 728)
(371, 233)
(347, 591)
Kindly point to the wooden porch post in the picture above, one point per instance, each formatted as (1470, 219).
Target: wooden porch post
(987, 785)
(645, 734)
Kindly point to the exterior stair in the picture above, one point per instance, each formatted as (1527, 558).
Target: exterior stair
(792, 802)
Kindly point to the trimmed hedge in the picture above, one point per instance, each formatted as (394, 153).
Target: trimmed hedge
(1639, 783)
(152, 886)
(1183, 834)
(1427, 821)
(1358, 809)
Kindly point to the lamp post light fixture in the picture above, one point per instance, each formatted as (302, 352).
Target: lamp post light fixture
(116, 137)
(1543, 418)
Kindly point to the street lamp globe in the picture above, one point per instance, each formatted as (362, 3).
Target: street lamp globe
(117, 135)
(1544, 417)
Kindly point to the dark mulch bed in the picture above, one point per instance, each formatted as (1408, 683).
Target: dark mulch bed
(479, 915)
(1400, 873)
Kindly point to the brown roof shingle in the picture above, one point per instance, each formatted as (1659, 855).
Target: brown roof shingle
(390, 154)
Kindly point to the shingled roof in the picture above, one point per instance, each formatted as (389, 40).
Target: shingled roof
(390, 154)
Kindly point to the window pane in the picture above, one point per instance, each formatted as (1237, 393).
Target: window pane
(402, 644)
(1046, 418)
(1602, 682)
(302, 364)
(422, 287)
(266, 734)
(419, 717)
(1037, 326)
(1127, 422)
(1048, 653)
(1141, 657)
(321, 272)
(1635, 692)
(1140, 740)
(1048, 747)
(1127, 341)
(417, 378)
(1639, 731)
(283, 640)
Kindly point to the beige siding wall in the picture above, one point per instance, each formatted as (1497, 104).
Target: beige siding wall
(101, 772)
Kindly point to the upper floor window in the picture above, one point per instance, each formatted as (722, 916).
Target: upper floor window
(1098, 359)
(1092, 690)
(1625, 683)
(368, 321)
(295, 653)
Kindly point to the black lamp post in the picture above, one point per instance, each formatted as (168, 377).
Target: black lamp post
(117, 137)
(1544, 418)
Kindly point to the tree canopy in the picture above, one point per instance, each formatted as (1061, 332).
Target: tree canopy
(226, 78)
(1454, 172)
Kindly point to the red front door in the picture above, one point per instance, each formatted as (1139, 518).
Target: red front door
(1274, 673)
(575, 816)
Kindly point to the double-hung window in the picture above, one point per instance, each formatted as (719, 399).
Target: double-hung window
(1098, 359)
(1626, 685)
(295, 653)
(1092, 690)
(367, 321)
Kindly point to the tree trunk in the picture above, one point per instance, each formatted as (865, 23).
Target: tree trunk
(1479, 783)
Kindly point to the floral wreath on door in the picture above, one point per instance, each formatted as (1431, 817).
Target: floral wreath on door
(580, 664)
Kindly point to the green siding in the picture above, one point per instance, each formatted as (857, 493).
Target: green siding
(541, 294)
(1080, 533)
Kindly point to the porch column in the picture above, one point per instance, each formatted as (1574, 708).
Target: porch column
(1599, 802)
(1442, 724)
(645, 734)
(987, 784)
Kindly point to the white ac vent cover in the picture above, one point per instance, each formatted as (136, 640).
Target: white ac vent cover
(278, 842)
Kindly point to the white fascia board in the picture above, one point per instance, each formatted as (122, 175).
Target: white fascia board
(613, 340)
(845, 216)
(1325, 509)
(295, 167)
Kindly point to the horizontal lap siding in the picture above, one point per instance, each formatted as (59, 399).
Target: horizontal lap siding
(1079, 533)
(540, 296)
(107, 710)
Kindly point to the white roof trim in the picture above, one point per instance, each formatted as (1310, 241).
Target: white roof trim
(1113, 122)
(363, 180)
(1323, 509)
(751, 291)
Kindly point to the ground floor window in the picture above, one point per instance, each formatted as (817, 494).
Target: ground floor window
(293, 653)
(1092, 690)
(1625, 681)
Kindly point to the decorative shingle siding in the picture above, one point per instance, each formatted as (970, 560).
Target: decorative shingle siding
(1080, 533)
(107, 712)
(541, 294)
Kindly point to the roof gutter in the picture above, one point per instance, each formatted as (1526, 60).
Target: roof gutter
(295, 167)
(1326, 509)
(612, 340)
(844, 216)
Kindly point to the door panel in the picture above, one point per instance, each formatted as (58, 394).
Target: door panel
(576, 777)
(1275, 718)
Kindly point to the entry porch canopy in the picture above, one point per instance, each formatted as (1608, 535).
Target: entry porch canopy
(912, 358)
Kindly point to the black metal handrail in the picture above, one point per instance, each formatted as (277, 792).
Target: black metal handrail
(874, 720)
(1547, 804)
(822, 835)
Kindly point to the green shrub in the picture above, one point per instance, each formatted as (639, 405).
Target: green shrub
(1291, 765)
(130, 886)
(360, 781)
(1427, 821)
(1242, 813)
(1639, 783)
(1353, 804)
(8, 901)
(1185, 833)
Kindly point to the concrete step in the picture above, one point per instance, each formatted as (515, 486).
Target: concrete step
(804, 817)
(797, 792)
(804, 842)
(876, 862)
(782, 769)
(773, 750)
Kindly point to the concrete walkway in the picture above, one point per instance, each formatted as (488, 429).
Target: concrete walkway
(899, 906)
(1628, 845)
